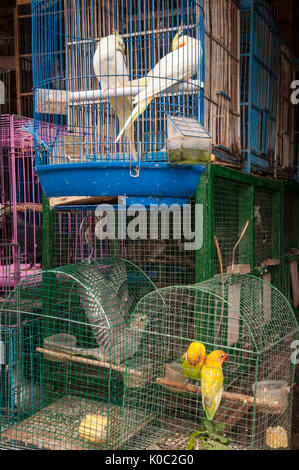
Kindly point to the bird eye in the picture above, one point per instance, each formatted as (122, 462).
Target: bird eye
(222, 356)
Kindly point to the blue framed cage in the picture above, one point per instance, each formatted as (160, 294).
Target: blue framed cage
(20, 379)
(85, 89)
(259, 85)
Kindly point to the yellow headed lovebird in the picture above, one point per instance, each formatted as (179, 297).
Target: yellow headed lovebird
(192, 361)
(212, 382)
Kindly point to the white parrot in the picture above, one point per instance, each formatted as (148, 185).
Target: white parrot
(179, 65)
(111, 71)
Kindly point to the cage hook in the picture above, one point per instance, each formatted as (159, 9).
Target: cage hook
(135, 169)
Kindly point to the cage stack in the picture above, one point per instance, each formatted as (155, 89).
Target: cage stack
(5, 91)
(76, 358)
(285, 162)
(222, 78)
(20, 200)
(291, 242)
(233, 201)
(252, 325)
(259, 85)
(161, 243)
(158, 157)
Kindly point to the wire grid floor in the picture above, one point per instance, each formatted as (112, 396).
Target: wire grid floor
(56, 427)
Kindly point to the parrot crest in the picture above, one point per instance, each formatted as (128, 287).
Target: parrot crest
(175, 41)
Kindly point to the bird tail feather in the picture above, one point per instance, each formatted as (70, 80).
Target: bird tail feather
(139, 109)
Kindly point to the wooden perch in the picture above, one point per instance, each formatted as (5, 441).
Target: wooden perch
(236, 397)
(92, 362)
(24, 207)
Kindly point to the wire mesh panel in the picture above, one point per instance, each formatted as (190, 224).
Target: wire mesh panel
(231, 211)
(20, 193)
(77, 359)
(222, 75)
(284, 148)
(159, 247)
(239, 318)
(259, 82)
(243, 224)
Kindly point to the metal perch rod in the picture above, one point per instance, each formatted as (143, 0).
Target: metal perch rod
(91, 362)
(236, 397)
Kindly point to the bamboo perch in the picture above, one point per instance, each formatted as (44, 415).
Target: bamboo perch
(236, 397)
(91, 362)
(24, 207)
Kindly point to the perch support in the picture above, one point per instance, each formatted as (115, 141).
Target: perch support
(236, 397)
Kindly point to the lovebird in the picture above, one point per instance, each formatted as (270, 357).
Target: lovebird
(192, 360)
(211, 376)
(182, 63)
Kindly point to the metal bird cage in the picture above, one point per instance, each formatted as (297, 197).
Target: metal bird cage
(78, 359)
(161, 246)
(20, 192)
(259, 85)
(222, 78)
(284, 148)
(254, 324)
(86, 87)
(231, 198)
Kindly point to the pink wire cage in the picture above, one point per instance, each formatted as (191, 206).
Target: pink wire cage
(20, 203)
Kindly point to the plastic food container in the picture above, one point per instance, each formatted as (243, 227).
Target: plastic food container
(60, 342)
(272, 392)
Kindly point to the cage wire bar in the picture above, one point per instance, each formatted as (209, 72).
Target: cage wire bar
(256, 326)
(70, 336)
(21, 209)
(284, 147)
(222, 77)
(162, 244)
(5, 91)
(231, 198)
(259, 85)
(87, 103)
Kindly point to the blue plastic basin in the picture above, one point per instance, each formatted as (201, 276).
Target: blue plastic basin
(157, 182)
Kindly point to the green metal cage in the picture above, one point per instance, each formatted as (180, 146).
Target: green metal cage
(75, 351)
(231, 198)
(253, 323)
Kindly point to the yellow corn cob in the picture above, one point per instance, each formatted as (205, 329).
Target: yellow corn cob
(94, 428)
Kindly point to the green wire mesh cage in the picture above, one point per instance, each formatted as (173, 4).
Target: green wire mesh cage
(161, 256)
(230, 200)
(251, 322)
(69, 338)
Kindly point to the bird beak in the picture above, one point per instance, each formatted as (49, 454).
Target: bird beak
(202, 360)
(175, 42)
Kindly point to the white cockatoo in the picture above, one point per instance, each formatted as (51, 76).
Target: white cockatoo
(179, 65)
(111, 71)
